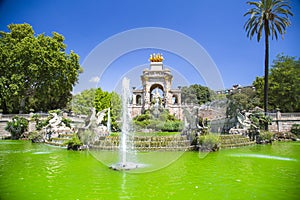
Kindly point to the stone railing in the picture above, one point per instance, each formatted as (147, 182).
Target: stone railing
(8, 117)
(285, 116)
(282, 122)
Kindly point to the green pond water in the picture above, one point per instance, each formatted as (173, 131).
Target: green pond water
(37, 171)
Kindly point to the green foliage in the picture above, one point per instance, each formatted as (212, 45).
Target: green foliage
(17, 126)
(87, 136)
(66, 121)
(266, 135)
(104, 100)
(209, 142)
(74, 143)
(258, 83)
(39, 123)
(242, 99)
(270, 16)
(35, 117)
(165, 122)
(284, 84)
(196, 94)
(259, 119)
(170, 126)
(37, 70)
(32, 135)
(143, 120)
(113, 134)
(143, 117)
(56, 111)
(160, 133)
(82, 102)
(296, 129)
(115, 111)
(35, 136)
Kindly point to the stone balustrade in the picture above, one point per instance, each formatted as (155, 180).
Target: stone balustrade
(281, 122)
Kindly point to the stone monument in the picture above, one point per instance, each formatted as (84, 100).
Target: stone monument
(156, 84)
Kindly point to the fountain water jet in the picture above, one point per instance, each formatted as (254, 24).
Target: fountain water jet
(108, 121)
(126, 149)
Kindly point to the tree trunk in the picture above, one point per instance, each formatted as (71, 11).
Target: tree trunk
(4, 107)
(22, 106)
(266, 85)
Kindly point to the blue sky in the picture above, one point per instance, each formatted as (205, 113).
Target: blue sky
(216, 25)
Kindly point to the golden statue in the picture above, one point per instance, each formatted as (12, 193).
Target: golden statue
(156, 58)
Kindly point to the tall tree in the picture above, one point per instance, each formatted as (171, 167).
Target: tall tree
(82, 103)
(242, 99)
(104, 100)
(284, 84)
(36, 72)
(196, 94)
(272, 18)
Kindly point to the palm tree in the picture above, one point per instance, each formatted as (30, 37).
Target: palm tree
(272, 18)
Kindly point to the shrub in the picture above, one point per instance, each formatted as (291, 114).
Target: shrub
(74, 143)
(115, 134)
(17, 126)
(143, 117)
(209, 142)
(172, 126)
(143, 120)
(259, 119)
(39, 124)
(36, 136)
(67, 122)
(165, 122)
(87, 136)
(266, 135)
(285, 136)
(154, 124)
(142, 124)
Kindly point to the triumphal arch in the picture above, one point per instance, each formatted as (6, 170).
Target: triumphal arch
(156, 91)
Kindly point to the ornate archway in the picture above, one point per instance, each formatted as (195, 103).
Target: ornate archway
(157, 84)
(156, 92)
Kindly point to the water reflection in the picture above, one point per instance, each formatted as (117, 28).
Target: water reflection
(123, 187)
(260, 172)
(262, 156)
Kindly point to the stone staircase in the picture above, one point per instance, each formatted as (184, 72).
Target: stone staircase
(59, 139)
(146, 143)
(232, 141)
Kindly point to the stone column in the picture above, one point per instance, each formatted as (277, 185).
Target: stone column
(133, 99)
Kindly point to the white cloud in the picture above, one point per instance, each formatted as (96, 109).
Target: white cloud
(94, 79)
